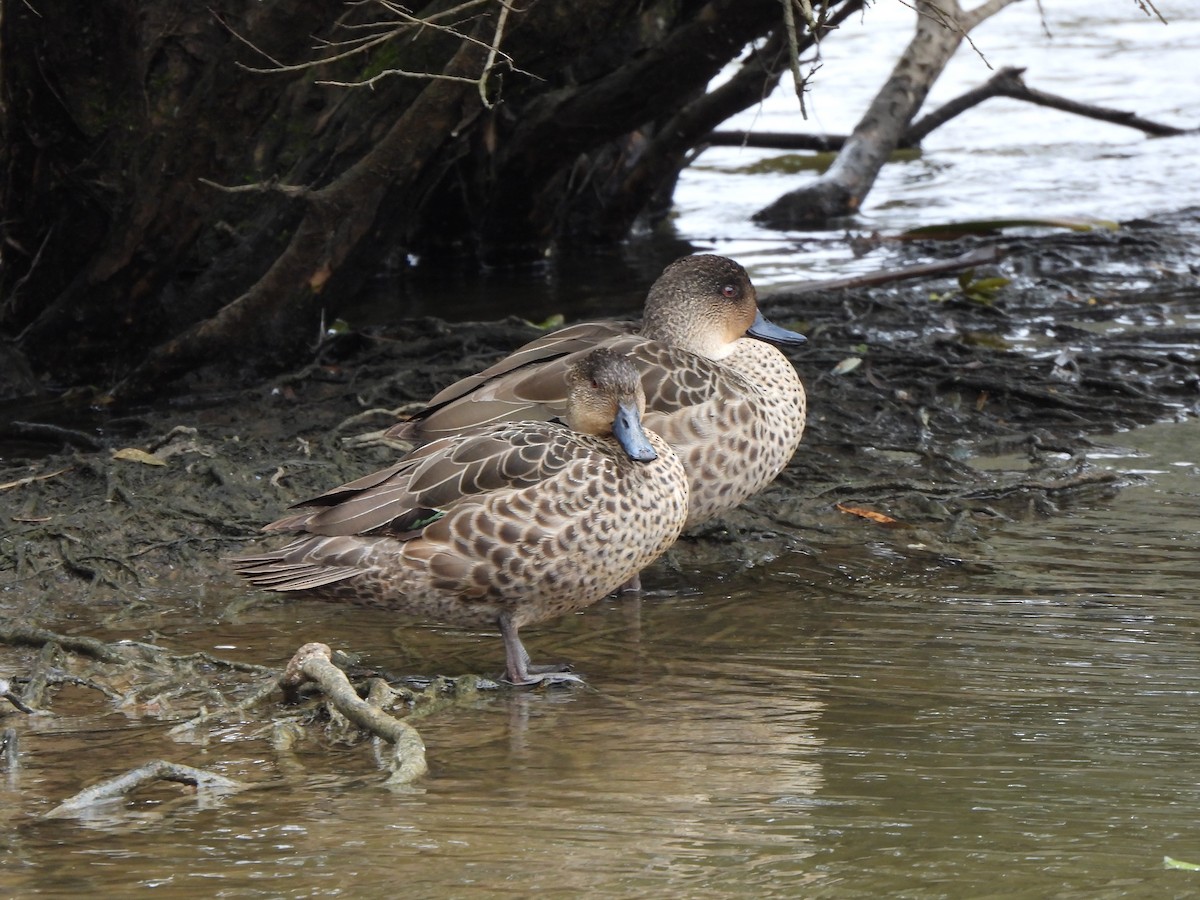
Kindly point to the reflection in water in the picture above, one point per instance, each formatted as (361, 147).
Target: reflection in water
(852, 723)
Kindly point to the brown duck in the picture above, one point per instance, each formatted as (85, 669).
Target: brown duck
(731, 405)
(510, 524)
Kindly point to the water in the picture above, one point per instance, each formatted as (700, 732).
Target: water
(862, 722)
(1003, 159)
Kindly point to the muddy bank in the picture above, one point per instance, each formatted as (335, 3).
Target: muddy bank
(942, 404)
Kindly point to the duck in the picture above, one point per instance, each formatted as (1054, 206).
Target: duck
(718, 388)
(507, 525)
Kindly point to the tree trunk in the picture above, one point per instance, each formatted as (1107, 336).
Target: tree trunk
(165, 207)
(941, 26)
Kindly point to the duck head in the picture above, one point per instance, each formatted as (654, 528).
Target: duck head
(605, 397)
(705, 304)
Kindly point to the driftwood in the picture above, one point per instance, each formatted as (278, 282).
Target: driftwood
(941, 27)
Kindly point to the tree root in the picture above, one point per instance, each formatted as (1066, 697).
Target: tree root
(6, 693)
(32, 636)
(156, 682)
(313, 662)
(159, 770)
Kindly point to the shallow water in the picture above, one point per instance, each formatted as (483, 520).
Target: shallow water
(860, 722)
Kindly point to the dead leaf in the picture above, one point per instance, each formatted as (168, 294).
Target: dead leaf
(847, 365)
(867, 514)
(133, 454)
(317, 280)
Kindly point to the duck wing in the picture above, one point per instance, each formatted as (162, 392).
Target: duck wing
(529, 383)
(421, 487)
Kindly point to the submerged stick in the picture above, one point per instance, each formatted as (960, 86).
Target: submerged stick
(159, 770)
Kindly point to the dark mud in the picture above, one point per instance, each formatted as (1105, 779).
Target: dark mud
(937, 408)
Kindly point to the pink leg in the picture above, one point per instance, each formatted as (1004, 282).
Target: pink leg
(518, 669)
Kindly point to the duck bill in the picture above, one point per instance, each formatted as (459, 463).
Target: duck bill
(773, 334)
(628, 430)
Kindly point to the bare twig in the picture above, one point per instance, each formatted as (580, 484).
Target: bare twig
(46, 431)
(258, 696)
(7, 694)
(1018, 90)
(261, 187)
(382, 32)
(493, 50)
(1148, 7)
(403, 73)
(789, 24)
(30, 479)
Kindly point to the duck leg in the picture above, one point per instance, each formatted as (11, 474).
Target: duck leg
(518, 669)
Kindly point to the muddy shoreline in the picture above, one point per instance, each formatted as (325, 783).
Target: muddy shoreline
(942, 404)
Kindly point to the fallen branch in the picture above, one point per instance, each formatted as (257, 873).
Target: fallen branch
(840, 191)
(1009, 83)
(1070, 482)
(264, 691)
(1005, 83)
(313, 662)
(159, 770)
(776, 140)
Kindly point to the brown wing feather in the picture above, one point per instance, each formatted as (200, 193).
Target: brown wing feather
(529, 383)
(439, 475)
(675, 379)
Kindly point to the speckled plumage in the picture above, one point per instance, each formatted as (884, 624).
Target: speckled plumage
(731, 406)
(511, 524)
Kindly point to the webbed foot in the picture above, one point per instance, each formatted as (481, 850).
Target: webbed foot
(553, 675)
(518, 669)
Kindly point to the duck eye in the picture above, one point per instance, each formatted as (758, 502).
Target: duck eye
(729, 291)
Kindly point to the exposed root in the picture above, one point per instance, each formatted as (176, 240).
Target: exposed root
(313, 662)
(205, 783)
